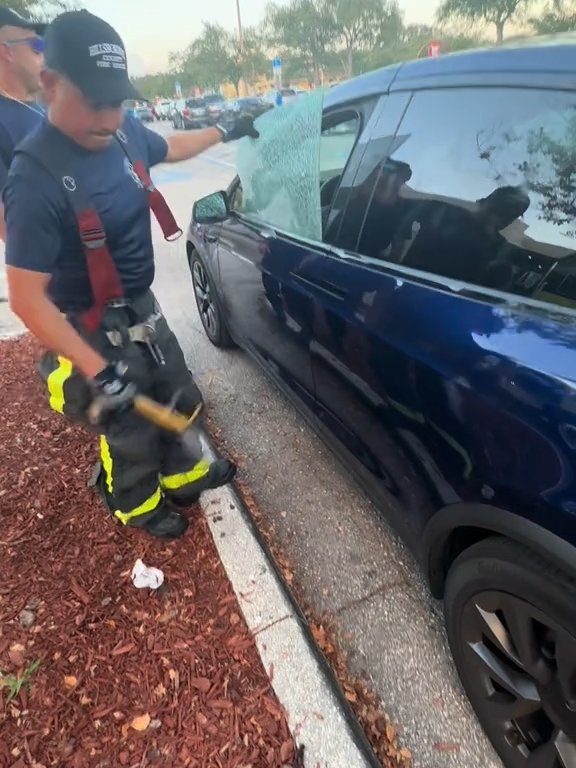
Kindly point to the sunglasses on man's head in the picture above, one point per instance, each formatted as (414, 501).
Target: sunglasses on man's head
(36, 43)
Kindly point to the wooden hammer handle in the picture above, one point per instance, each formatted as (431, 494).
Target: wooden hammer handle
(163, 417)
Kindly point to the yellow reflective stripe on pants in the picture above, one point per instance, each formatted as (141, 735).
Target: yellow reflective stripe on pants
(106, 459)
(56, 382)
(144, 509)
(176, 482)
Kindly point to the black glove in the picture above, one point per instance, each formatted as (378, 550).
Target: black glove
(113, 394)
(244, 126)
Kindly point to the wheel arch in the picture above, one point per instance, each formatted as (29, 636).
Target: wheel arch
(456, 528)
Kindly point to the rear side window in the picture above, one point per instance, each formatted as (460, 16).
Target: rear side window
(480, 187)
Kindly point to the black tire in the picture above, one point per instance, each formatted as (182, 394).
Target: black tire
(208, 306)
(511, 623)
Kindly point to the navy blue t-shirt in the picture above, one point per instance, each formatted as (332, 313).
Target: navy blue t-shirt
(16, 122)
(42, 232)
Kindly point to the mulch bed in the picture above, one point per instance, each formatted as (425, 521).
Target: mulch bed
(126, 677)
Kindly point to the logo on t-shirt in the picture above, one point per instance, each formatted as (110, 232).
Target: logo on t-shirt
(129, 168)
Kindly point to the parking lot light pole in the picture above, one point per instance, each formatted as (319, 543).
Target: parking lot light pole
(240, 31)
(242, 90)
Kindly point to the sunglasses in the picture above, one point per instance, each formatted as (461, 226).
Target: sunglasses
(36, 43)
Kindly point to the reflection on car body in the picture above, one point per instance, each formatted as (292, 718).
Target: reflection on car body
(400, 258)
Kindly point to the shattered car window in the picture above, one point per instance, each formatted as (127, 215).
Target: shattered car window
(280, 172)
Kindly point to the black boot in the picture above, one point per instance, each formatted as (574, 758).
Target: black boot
(221, 473)
(167, 524)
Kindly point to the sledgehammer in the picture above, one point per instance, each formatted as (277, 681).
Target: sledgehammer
(165, 417)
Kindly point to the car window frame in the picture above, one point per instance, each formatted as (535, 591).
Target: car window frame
(463, 289)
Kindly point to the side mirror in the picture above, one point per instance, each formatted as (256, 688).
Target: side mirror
(211, 209)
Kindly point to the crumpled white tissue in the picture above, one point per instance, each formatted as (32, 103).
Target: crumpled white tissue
(144, 577)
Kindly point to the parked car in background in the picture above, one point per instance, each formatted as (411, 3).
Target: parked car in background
(215, 105)
(252, 105)
(419, 304)
(145, 114)
(190, 113)
(164, 110)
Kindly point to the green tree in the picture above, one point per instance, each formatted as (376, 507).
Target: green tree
(212, 58)
(151, 86)
(41, 10)
(412, 42)
(362, 25)
(497, 12)
(215, 58)
(557, 17)
(304, 30)
(252, 58)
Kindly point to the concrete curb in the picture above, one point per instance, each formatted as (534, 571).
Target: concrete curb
(318, 714)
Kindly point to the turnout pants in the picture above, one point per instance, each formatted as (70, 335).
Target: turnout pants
(142, 466)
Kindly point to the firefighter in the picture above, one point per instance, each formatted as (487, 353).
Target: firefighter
(80, 265)
(21, 59)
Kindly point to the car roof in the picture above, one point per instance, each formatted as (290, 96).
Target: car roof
(544, 56)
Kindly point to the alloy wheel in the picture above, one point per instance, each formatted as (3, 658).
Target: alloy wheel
(204, 300)
(521, 677)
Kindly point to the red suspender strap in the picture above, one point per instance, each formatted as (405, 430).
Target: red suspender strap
(104, 278)
(158, 204)
(105, 282)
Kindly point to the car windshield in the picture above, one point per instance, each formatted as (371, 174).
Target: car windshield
(195, 103)
(215, 99)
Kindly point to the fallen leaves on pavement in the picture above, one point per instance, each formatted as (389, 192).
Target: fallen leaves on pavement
(377, 726)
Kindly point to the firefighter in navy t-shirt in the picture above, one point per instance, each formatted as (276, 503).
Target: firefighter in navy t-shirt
(21, 59)
(80, 264)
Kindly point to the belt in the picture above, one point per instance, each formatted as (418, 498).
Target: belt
(140, 333)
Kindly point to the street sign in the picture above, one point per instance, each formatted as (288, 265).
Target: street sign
(277, 70)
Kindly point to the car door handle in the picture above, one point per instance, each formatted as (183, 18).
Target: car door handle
(268, 234)
(325, 286)
(211, 238)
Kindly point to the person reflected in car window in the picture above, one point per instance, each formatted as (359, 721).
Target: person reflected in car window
(386, 210)
(467, 243)
(374, 207)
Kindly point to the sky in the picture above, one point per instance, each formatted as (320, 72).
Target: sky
(153, 28)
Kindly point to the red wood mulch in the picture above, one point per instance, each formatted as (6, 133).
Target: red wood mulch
(126, 677)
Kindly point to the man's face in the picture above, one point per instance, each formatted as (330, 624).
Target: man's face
(90, 127)
(20, 57)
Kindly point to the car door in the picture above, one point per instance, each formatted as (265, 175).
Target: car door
(440, 359)
(273, 239)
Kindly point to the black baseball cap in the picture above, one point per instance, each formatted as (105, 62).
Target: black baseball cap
(9, 18)
(91, 54)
